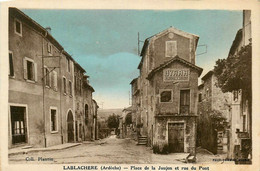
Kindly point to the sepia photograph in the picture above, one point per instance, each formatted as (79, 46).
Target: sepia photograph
(130, 89)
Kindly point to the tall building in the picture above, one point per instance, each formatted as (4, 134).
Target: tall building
(240, 145)
(167, 90)
(41, 95)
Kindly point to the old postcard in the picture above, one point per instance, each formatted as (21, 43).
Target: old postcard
(129, 85)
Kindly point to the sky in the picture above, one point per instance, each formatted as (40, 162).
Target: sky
(104, 42)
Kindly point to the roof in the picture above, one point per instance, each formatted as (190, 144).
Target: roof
(130, 108)
(134, 80)
(78, 65)
(95, 103)
(176, 58)
(209, 74)
(89, 87)
(170, 29)
(236, 42)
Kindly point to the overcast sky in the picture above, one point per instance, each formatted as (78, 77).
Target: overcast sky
(104, 42)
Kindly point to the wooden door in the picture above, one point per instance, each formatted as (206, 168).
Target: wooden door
(70, 126)
(176, 137)
(18, 124)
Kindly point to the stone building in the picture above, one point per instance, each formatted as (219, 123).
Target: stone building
(41, 80)
(212, 103)
(168, 91)
(240, 134)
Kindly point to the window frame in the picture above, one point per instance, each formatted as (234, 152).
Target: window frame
(166, 48)
(21, 27)
(162, 90)
(34, 67)
(57, 128)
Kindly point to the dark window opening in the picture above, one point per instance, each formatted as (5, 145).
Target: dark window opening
(29, 70)
(86, 113)
(70, 87)
(64, 85)
(11, 67)
(166, 96)
(18, 27)
(200, 97)
(53, 120)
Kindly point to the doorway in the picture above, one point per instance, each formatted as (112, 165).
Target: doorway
(70, 126)
(176, 137)
(18, 124)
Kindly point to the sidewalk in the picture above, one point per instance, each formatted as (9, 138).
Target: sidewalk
(22, 150)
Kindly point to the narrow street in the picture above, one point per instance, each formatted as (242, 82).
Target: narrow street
(107, 151)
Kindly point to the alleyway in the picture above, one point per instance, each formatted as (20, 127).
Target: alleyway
(110, 150)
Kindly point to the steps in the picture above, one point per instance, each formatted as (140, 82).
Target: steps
(142, 140)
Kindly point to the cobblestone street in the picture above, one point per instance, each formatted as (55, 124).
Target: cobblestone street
(107, 151)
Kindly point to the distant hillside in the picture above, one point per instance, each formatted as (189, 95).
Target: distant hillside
(104, 113)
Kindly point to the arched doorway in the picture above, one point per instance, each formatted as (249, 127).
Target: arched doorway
(70, 126)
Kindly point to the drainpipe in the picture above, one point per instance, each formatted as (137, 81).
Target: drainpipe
(61, 128)
(43, 91)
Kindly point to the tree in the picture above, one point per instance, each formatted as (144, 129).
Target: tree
(234, 73)
(113, 121)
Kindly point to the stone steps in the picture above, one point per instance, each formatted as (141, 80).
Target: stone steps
(142, 140)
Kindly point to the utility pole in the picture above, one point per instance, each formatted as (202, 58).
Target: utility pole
(138, 44)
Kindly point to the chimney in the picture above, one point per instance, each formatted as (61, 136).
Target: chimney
(48, 29)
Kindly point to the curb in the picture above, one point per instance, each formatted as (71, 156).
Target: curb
(38, 150)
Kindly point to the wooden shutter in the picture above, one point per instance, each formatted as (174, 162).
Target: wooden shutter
(35, 72)
(25, 68)
(55, 81)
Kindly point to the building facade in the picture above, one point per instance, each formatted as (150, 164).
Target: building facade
(213, 115)
(41, 86)
(168, 85)
(240, 132)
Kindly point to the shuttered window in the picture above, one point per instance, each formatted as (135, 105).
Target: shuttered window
(55, 80)
(30, 69)
(171, 48)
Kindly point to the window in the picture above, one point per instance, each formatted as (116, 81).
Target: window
(68, 64)
(235, 95)
(11, 64)
(18, 27)
(70, 88)
(166, 96)
(54, 125)
(86, 113)
(49, 48)
(55, 81)
(200, 97)
(207, 92)
(184, 101)
(47, 77)
(64, 85)
(30, 69)
(80, 86)
(171, 48)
